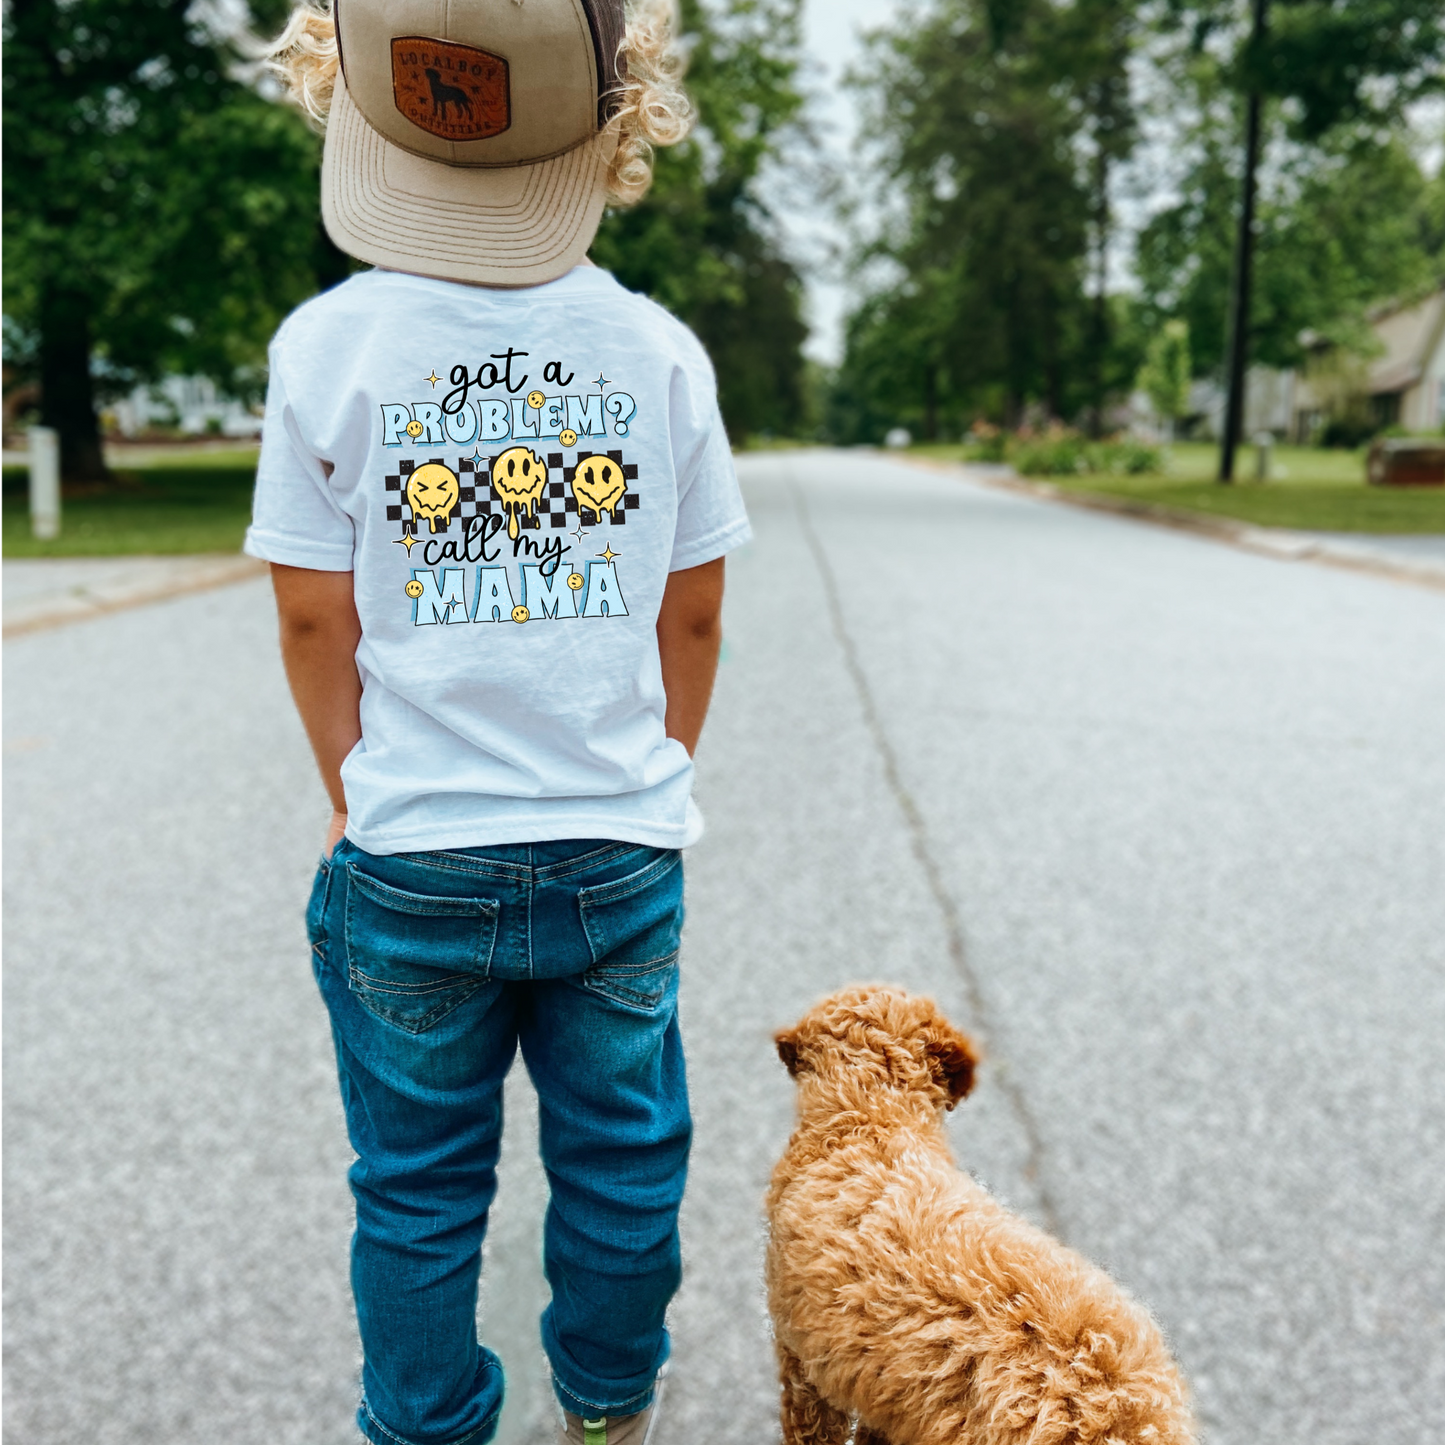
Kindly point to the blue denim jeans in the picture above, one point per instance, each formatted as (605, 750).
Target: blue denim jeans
(435, 967)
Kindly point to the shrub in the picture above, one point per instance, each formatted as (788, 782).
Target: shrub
(1052, 456)
(1129, 456)
(989, 442)
(1060, 453)
(1348, 432)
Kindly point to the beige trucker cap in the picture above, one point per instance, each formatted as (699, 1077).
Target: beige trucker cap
(466, 138)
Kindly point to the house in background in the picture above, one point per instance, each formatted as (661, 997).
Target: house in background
(1404, 382)
(1407, 383)
(1270, 398)
(190, 404)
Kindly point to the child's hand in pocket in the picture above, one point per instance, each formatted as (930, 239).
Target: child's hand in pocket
(335, 831)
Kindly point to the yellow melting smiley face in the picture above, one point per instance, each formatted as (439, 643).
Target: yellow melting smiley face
(414, 429)
(432, 492)
(598, 483)
(518, 476)
(567, 437)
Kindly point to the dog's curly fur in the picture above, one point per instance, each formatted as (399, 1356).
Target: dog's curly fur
(903, 1296)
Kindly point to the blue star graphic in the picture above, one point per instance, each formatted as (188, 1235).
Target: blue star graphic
(601, 381)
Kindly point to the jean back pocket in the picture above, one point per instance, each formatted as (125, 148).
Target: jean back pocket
(413, 957)
(634, 928)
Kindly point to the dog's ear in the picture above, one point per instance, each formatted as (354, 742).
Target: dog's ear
(953, 1060)
(787, 1042)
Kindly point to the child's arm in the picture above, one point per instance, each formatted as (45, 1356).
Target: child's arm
(319, 635)
(689, 634)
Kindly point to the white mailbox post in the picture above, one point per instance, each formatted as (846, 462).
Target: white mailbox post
(1263, 449)
(44, 482)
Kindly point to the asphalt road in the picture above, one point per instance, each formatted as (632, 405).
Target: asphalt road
(1160, 819)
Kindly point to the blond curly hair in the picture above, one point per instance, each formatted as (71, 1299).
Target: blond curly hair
(650, 105)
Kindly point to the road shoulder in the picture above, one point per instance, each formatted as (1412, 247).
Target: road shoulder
(41, 593)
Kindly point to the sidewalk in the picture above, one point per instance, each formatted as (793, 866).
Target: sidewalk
(44, 592)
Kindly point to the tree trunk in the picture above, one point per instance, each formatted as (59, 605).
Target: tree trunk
(1016, 382)
(930, 402)
(67, 394)
(1238, 358)
(1099, 327)
(1053, 381)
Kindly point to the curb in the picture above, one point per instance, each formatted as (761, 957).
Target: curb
(81, 604)
(1283, 546)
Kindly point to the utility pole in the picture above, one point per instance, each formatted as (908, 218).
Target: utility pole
(1243, 268)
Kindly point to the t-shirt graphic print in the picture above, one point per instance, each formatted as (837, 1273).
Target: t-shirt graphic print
(510, 476)
(481, 509)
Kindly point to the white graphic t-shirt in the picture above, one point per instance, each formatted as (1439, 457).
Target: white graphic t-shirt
(511, 476)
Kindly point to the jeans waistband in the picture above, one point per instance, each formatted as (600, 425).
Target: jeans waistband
(527, 862)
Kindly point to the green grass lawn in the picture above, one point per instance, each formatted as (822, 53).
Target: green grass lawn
(196, 503)
(1310, 489)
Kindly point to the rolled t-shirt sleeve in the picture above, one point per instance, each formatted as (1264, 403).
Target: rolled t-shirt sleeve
(295, 517)
(711, 518)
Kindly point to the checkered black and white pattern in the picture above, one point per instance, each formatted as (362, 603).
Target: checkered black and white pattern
(556, 507)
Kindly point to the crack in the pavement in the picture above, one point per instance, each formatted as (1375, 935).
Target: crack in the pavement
(933, 875)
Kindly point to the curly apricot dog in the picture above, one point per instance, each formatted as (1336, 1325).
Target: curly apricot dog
(903, 1295)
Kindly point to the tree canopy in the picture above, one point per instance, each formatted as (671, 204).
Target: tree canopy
(159, 214)
(999, 134)
(997, 128)
(702, 242)
(1341, 226)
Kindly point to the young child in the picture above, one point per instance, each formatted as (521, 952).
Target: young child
(496, 495)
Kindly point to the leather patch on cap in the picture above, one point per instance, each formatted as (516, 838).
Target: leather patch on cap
(455, 91)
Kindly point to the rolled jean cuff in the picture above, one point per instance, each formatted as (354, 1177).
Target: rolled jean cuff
(589, 1395)
(592, 1410)
(378, 1434)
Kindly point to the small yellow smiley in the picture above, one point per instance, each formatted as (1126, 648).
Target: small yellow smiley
(576, 581)
(535, 400)
(567, 437)
(413, 588)
(414, 429)
(520, 614)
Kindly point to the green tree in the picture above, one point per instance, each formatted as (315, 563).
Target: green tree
(702, 241)
(1089, 47)
(1342, 225)
(159, 214)
(998, 130)
(895, 369)
(1165, 376)
(1331, 63)
(1338, 61)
